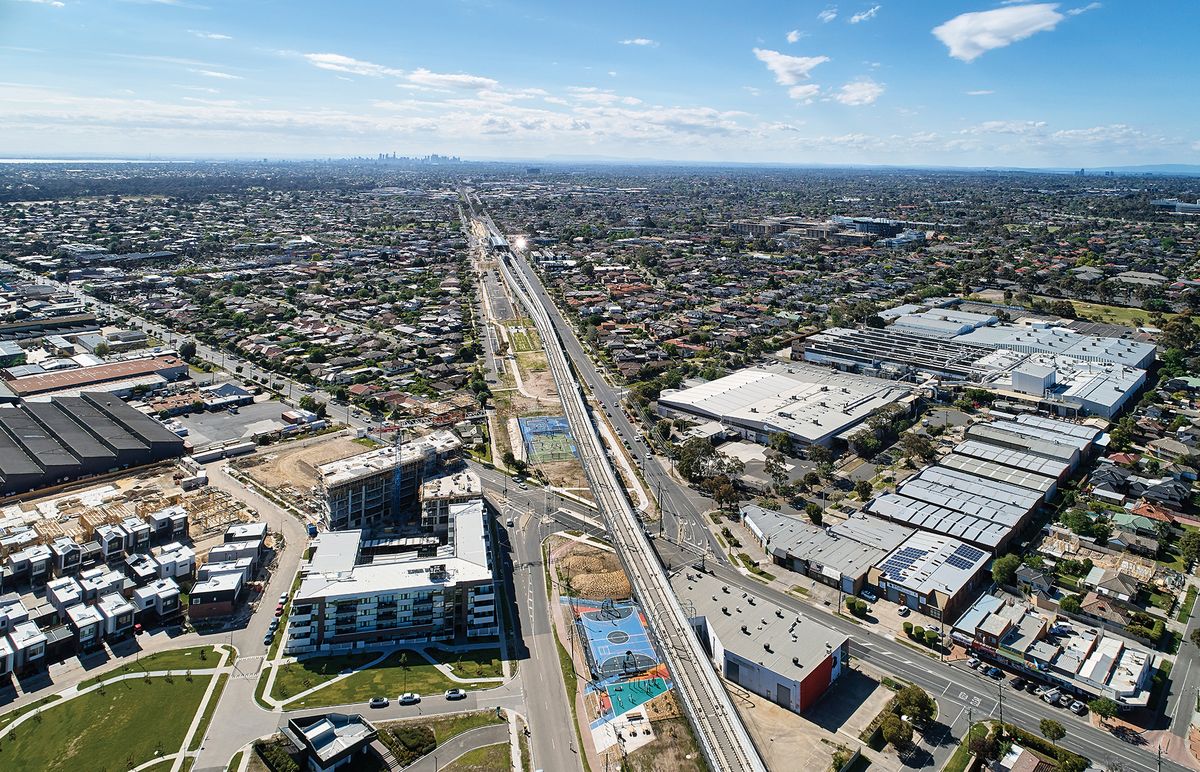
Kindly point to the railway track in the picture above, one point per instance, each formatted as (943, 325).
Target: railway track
(723, 738)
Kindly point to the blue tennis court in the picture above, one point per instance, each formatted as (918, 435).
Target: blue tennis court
(618, 643)
(547, 439)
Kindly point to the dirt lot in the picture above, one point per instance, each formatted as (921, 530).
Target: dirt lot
(594, 573)
(294, 464)
(566, 474)
(674, 748)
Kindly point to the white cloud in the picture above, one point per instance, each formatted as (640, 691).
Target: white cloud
(1023, 128)
(980, 92)
(210, 35)
(340, 63)
(828, 15)
(217, 74)
(859, 92)
(51, 3)
(971, 34)
(423, 77)
(751, 90)
(1083, 9)
(866, 15)
(788, 70)
(804, 93)
(795, 35)
(647, 42)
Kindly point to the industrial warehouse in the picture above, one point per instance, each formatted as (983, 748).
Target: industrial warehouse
(988, 488)
(68, 438)
(1052, 368)
(812, 405)
(790, 659)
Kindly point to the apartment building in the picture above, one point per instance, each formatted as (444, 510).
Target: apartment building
(357, 593)
(364, 490)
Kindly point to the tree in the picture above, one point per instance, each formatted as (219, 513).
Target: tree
(984, 746)
(915, 445)
(187, 350)
(694, 457)
(915, 702)
(1070, 604)
(1052, 730)
(312, 404)
(780, 442)
(1104, 708)
(819, 454)
(1004, 570)
(896, 731)
(776, 468)
(814, 512)
(1189, 545)
(863, 488)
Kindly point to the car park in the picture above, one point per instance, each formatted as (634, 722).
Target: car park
(509, 522)
(279, 610)
(1032, 687)
(283, 596)
(1078, 708)
(1018, 683)
(456, 694)
(995, 672)
(868, 596)
(904, 611)
(268, 639)
(973, 662)
(379, 702)
(409, 698)
(1051, 697)
(1065, 701)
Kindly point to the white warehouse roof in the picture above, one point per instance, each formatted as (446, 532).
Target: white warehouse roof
(812, 404)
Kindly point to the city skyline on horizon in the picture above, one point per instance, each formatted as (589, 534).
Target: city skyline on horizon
(946, 84)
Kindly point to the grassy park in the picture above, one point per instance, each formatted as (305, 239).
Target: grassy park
(402, 671)
(194, 658)
(111, 729)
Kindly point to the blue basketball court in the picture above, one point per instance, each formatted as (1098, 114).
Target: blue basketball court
(617, 641)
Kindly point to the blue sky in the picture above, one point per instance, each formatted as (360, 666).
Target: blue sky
(902, 82)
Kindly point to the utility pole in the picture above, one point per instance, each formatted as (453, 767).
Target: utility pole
(1000, 691)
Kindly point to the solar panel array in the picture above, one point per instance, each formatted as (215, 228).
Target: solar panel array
(964, 557)
(902, 560)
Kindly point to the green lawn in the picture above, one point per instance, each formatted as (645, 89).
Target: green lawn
(107, 730)
(1159, 682)
(13, 715)
(1171, 558)
(1162, 601)
(387, 679)
(174, 659)
(479, 663)
(489, 758)
(1098, 312)
(1189, 602)
(962, 754)
(452, 724)
(297, 677)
